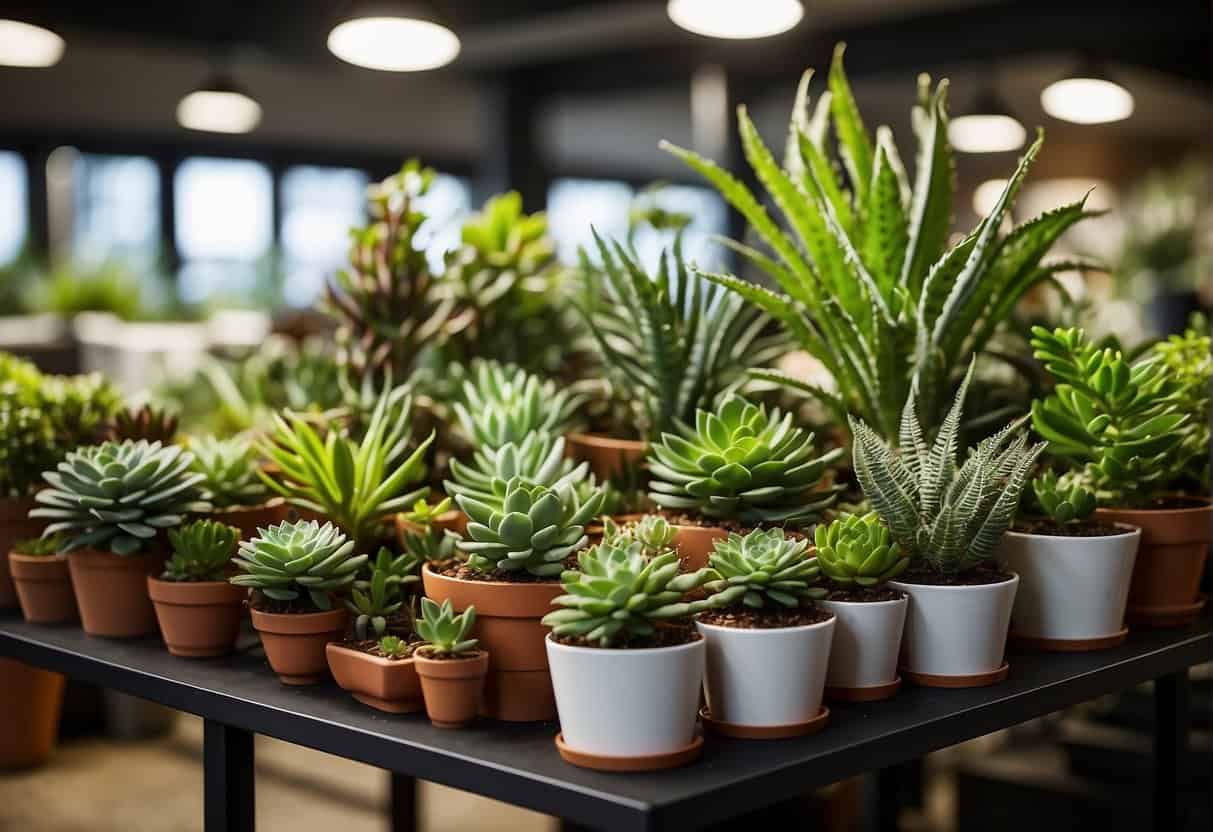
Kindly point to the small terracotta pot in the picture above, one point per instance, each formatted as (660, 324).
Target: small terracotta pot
(30, 700)
(15, 525)
(111, 591)
(608, 457)
(452, 688)
(251, 518)
(389, 685)
(696, 543)
(197, 618)
(519, 686)
(295, 642)
(1165, 589)
(44, 588)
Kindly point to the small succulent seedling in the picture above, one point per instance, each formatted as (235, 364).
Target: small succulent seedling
(146, 422)
(424, 514)
(201, 551)
(394, 647)
(41, 547)
(764, 566)
(292, 560)
(653, 532)
(230, 470)
(373, 600)
(1064, 499)
(858, 549)
(444, 632)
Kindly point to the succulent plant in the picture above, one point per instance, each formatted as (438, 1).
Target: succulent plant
(653, 532)
(534, 529)
(303, 559)
(394, 647)
(429, 544)
(858, 550)
(144, 422)
(1189, 362)
(119, 495)
(201, 550)
(356, 484)
(505, 404)
(374, 599)
(948, 518)
(1064, 499)
(230, 469)
(539, 459)
(742, 463)
(41, 547)
(764, 566)
(444, 632)
(618, 593)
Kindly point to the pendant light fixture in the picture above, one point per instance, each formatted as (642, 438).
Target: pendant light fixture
(1087, 96)
(735, 19)
(219, 106)
(989, 127)
(27, 45)
(394, 37)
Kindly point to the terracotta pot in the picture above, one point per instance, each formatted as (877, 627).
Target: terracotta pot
(695, 544)
(389, 685)
(594, 531)
(1165, 589)
(453, 688)
(608, 457)
(197, 618)
(111, 591)
(15, 525)
(251, 518)
(30, 700)
(44, 587)
(519, 686)
(295, 642)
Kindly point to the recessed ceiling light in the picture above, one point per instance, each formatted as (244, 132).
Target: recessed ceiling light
(736, 19)
(23, 44)
(986, 133)
(218, 106)
(1087, 100)
(394, 44)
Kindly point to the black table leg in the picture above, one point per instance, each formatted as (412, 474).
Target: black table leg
(403, 807)
(228, 779)
(888, 802)
(1172, 717)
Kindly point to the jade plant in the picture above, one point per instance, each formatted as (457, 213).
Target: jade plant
(618, 594)
(1065, 499)
(539, 459)
(148, 422)
(505, 404)
(534, 530)
(229, 467)
(868, 281)
(376, 598)
(444, 632)
(41, 547)
(301, 564)
(120, 495)
(857, 550)
(394, 647)
(744, 463)
(201, 551)
(762, 568)
(948, 517)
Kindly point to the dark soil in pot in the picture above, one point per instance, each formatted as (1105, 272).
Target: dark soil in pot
(745, 618)
(973, 577)
(1084, 528)
(664, 635)
(864, 594)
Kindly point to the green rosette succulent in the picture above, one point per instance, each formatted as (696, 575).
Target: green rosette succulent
(1064, 499)
(539, 459)
(653, 532)
(201, 551)
(534, 529)
(742, 463)
(764, 566)
(304, 559)
(119, 495)
(858, 550)
(506, 404)
(444, 632)
(617, 593)
(229, 467)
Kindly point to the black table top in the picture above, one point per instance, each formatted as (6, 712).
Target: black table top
(518, 764)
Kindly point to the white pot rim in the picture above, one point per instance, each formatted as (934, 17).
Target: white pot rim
(754, 632)
(904, 599)
(1129, 531)
(629, 651)
(957, 587)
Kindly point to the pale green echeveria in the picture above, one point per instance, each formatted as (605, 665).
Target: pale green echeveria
(292, 560)
(858, 550)
(761, 567)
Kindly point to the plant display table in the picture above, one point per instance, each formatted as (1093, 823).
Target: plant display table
(518, 763)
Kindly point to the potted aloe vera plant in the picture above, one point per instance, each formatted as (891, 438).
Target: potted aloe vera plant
(1135, 431)
(237, 496)
(858, 557)
(519, 541)
(627, 664)
(44, 586)
(114, 502)
(949, 518)
(768, 645)
(384, 679)
(198, 610)
(739, 467)
(292, 572)
(451, 666)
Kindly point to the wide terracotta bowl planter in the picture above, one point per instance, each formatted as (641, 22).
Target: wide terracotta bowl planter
(30, 700)
(1165, 590)
(695, 544)
(197, 619)
(111, 592)
(295, 643)
(44, 588)
(452, 688)
(608, 457)
(389, 685)
(518, 687)
(249, 519)
(15, 525)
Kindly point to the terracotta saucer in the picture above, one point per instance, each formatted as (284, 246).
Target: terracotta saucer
(390, 706)
(977, 680)
(1169, 616)
(765, 732)
(1069, 645)
(864, 693)
(652, 762)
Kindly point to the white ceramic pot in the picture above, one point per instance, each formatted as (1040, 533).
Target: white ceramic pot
(1071, 588)
(956, 630)
(867, 642)
(766, 677)
(627, 703)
